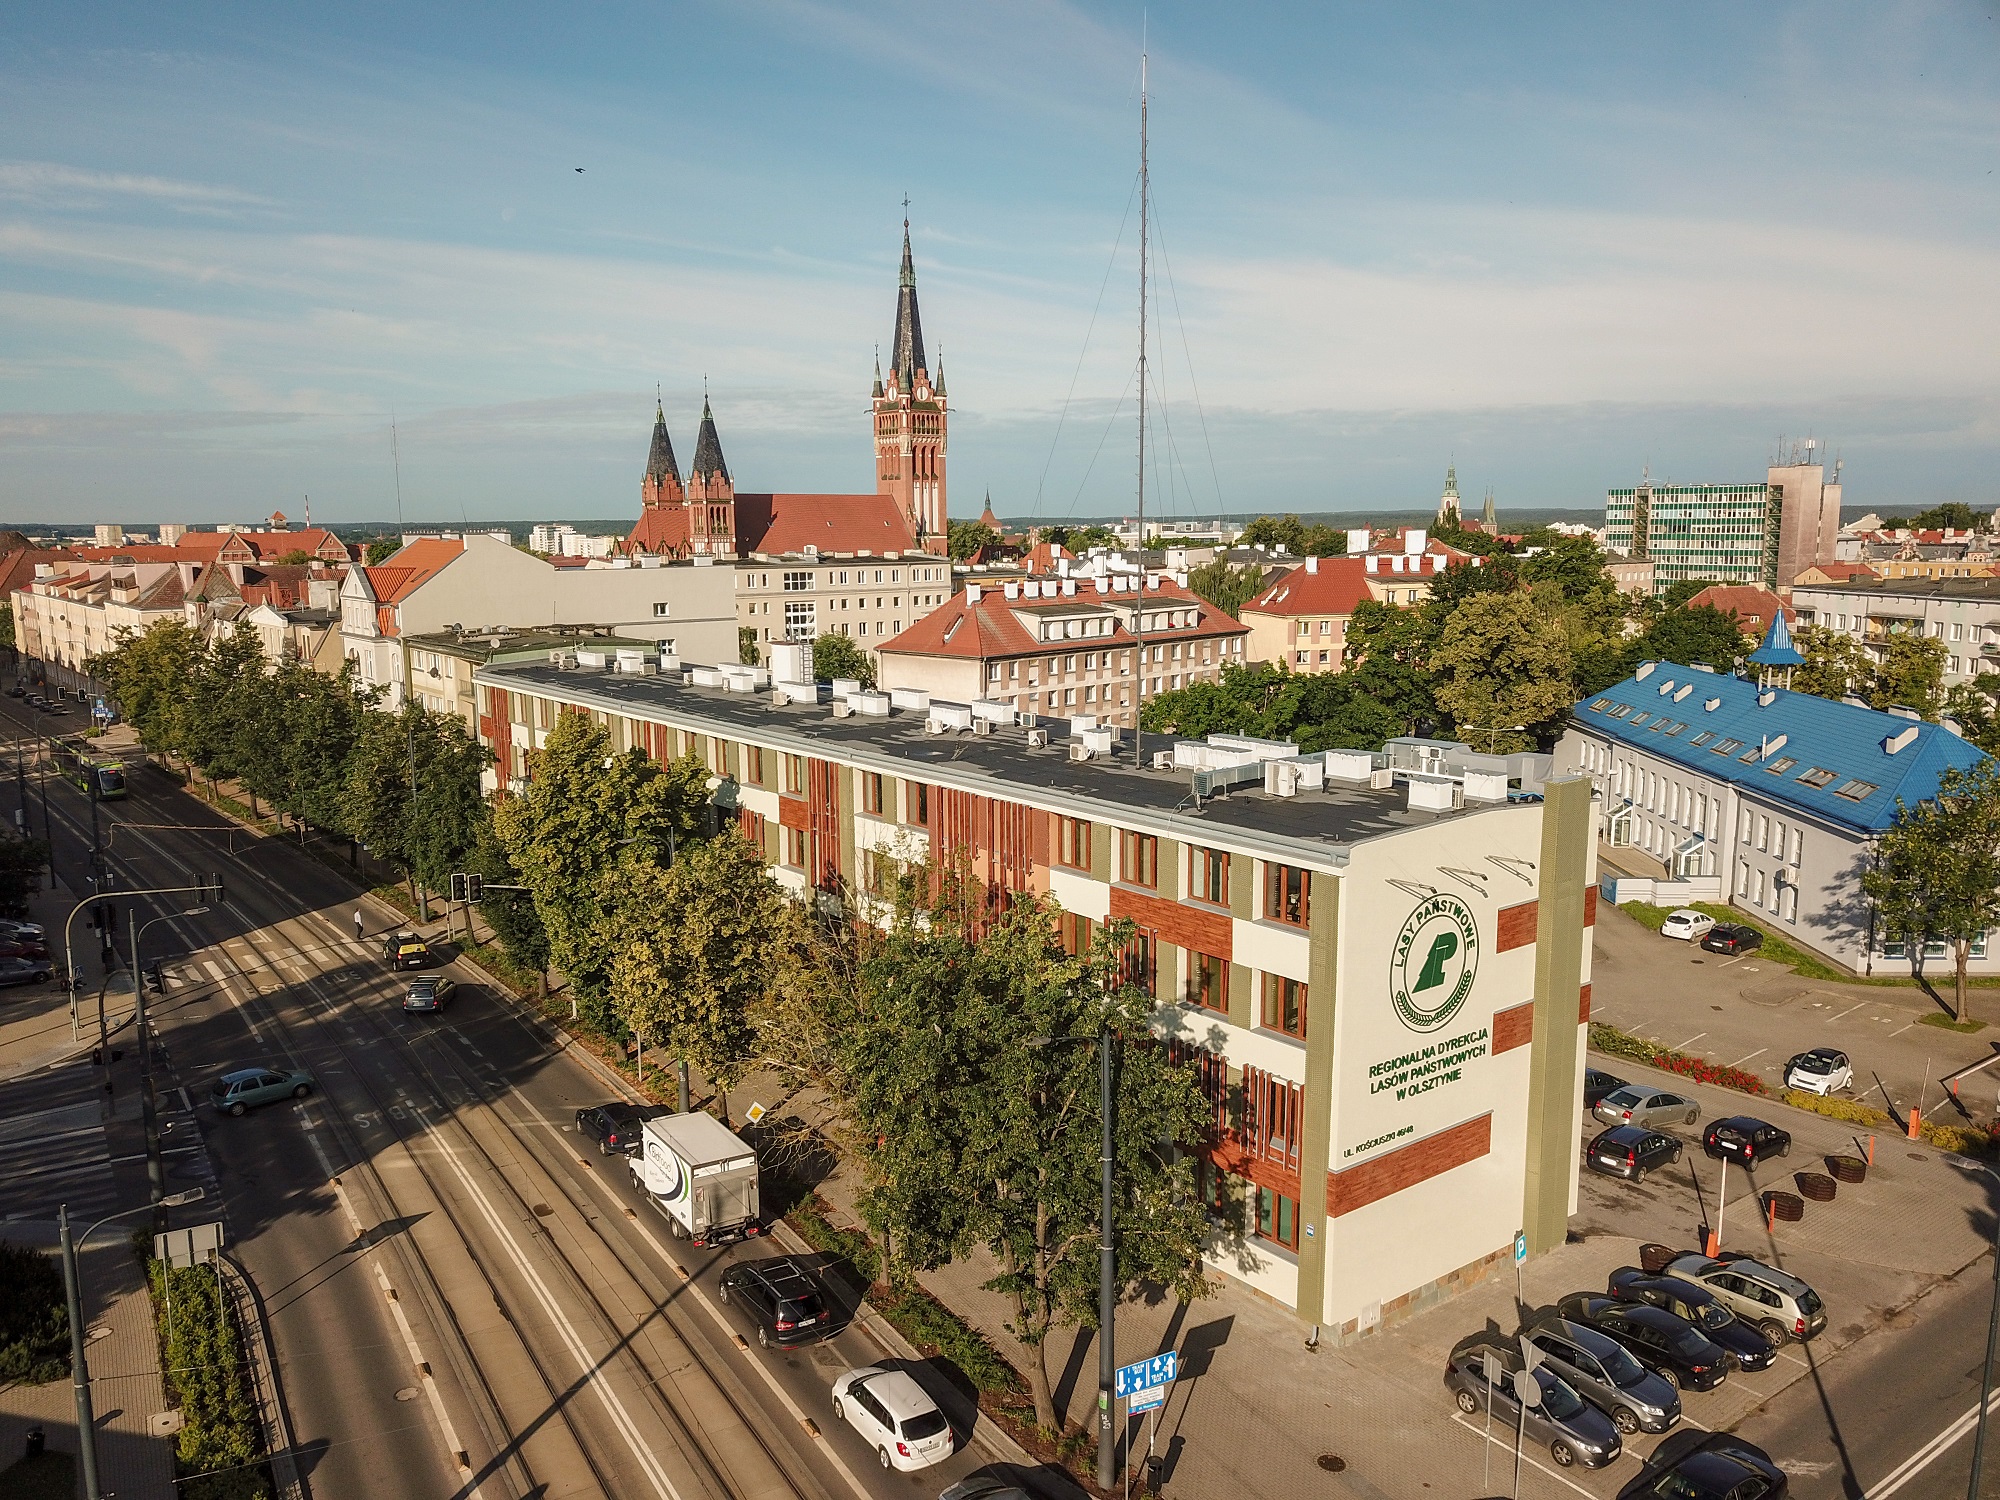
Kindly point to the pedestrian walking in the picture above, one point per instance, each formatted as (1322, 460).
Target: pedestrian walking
(358, 933)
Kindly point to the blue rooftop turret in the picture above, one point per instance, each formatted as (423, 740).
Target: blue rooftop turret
(1777, 649)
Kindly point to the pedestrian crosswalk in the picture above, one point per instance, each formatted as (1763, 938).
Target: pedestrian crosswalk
(53, 1157)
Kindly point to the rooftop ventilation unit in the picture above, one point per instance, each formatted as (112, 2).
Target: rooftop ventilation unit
(592, 660)
(1685, 689)
(842, 709)
(873, 705)
(1038, 739)
(1163, 760)
(1645, 671)
(1080, 751)
(911, 698)
(1900, 740)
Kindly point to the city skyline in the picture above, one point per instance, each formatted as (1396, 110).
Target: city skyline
(1552, 251)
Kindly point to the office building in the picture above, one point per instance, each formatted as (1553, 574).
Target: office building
(1764, 534)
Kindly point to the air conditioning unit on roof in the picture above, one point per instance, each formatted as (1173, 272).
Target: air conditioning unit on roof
(1038, 739)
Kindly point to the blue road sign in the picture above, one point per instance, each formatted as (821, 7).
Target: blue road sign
(1143, 1375)
(1520, 1246)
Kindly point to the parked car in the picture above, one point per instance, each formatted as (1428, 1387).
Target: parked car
(429, 993)
(618, 1128)
(235, 1092)
(1779, 1303)
(894, 1414)
(1747, 1348)
(786, 1300)
(1820, 1070)
(984, 1487)
(1576, 1432)
(1686, 925)
(1745, 1139)
(1695, 1465)
(1671, 1347)
(1732, 937)
(23, 948)
(22, 931)
(1642, 1104)
(1604, 1373)
(16, 691)
(1630, 1152)
(15, 971)
(406, 950)
(1596, 1085)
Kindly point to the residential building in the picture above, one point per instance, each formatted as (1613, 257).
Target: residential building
(1629, 576)
(559, 539)
(1301, 618)
(909, 415)
(479, 582)
(441, 663)
(294, 609)
(1754, 608)
(73, 610)
(1765, 533)
(1379, 967)
(1835, 572)
(1055, 646)
(1902, 553)
(865, 595)
(1963, 614)
(1780, 796)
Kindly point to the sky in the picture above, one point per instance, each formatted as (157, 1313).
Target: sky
(1556, 246)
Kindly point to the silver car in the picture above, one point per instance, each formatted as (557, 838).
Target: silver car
(1576, 1431)
(1642, 1104)
(1605, 1374)
(1776, 1303)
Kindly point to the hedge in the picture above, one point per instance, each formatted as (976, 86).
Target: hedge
(34, 1317)
(1697, 1069)
(220, 1450)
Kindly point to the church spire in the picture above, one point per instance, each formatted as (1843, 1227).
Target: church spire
(906, 354)
(660, 463)
(708, 462)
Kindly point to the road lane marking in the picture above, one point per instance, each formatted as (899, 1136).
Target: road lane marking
(417, 1361)
(1460, 1419)
(1748, 1055)
(1930, 1453)
(702, 1299)
(1844, 1014)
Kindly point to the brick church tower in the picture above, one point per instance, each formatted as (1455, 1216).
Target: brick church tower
(698, 517)
(711, 492)
(910, 419)
(661, 488)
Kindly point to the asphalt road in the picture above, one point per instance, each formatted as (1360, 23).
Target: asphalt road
(1754, 1014)
(463, 1301)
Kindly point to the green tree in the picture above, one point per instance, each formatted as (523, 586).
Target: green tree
(380, 550)
(298, 557)
(1953, 515)
(1971, 706)
(1702, 634)
(1389, 656)
(963, 538)
(1294, 536)
(1201, 709)
(22, 862)
(1835, 664)
(7, 623)
(1937, 870)
(834, 655)
(1079, 539)
(977, 1098)
(511, 914)
(321, 726)
(692, 954)
(746, 645)
(1500, 662)
(1227, 588)
(1573, 568)
(1909, 673)
(150, 676)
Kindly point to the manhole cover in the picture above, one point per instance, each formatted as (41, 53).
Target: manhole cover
(97, 1331)
(1917, 1156)
(408, 1393)
(1333, 1463)
(542, 1210)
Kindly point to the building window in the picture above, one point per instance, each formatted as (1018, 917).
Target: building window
(1277, 1218)
(795, 774)
(1285, 1005)
(1287, 894)
(918, 804)
(795, 848)
(1208, 981)
(1076, 933)
(798, 583)
(753, 764)
(871, 792)
(1138, 859)
(661, 609)
(800, 618)
(1139, 963)
(1073, 843)
(1208, 876)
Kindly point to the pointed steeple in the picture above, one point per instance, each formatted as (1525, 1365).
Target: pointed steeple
(660, 462)
(1451, 481)
(906, 354)
(708, 462)
(1490, 518)
(986, 516)
(939, 385)
(878, 372)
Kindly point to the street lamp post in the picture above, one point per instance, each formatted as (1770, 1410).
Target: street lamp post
(149, 1106)
(1992, 1339)
(79, 1366)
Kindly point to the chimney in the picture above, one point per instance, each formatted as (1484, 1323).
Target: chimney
(1370, 561)
(972, 593)
(1312, 565)
(1415, 539)
(1357, 541)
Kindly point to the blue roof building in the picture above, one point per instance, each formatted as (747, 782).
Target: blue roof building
(1773, 798)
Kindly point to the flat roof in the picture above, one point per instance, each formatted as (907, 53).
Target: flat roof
(1314, 828)
(1972, 590)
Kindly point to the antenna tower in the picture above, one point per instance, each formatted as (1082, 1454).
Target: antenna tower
(1139, 614)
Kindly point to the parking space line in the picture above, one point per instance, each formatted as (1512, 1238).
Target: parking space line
(1846, 1013)
(1525, 1459)
(1903, 1028)
(1748, 1055)
(1679, 1046)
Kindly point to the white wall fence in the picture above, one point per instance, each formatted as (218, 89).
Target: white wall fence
(1620, 888)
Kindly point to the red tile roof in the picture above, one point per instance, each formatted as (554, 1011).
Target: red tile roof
(1340, 584)
(664, 529)
(996, 629)
(411, 566)
(831, 523)
(1753, 607)
(1843, 572)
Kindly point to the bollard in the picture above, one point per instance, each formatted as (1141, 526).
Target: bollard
(1714, 1245)
(1916, 1123)
(37, 1441)
(1770, 1218)
(1871, 1150)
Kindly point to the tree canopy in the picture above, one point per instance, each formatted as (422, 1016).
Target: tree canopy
(1294, 536)
(1936, 874)
(834, 655)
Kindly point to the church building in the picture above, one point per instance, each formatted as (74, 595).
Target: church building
(704, 516)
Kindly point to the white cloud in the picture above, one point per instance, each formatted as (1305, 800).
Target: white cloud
(54, 185)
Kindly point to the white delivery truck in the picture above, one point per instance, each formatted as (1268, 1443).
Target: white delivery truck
(701, 1177)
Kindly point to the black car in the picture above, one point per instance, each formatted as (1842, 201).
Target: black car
(1630, 1152)
(1742, 1138)
(1670, 1346)
(25, 971)
(1697, 1465)
(1732, 937)
(784, 1298)
(1746, 1347)
(429, 994)
(17, 691)
(1596, 1085)
(617, 1127)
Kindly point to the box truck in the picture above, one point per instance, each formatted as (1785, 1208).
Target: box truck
(701, 1177)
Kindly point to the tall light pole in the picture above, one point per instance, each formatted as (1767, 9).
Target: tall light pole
(149, 1106)
(79, 1367)
(1992, 1339)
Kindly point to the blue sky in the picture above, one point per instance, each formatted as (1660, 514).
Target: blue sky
(1550, 244)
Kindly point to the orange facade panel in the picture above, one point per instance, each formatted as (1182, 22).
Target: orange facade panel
(1513, 1027)
(1407, 1166)
(1517, 926)
(1199, 928)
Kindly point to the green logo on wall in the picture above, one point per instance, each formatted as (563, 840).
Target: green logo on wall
(1435, 959)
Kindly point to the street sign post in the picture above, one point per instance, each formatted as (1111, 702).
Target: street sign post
(1148, 1400)
(1142, 1385)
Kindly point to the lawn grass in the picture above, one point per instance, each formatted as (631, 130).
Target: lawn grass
(1946, 1023)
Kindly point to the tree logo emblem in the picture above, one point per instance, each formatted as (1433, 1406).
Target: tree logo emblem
(1433, 964)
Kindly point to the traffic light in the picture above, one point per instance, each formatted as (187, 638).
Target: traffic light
(475, 887)
(211, 888)
(458, 884)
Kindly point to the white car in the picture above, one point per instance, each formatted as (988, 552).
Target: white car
(1823, 1070)
(1687, 925)
(892, 1412)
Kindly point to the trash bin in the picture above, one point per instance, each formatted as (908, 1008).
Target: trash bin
(37, 1441)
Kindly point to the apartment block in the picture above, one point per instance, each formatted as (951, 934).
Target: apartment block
(1379, 965)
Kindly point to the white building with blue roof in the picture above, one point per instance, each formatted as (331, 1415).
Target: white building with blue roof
(1778, 795)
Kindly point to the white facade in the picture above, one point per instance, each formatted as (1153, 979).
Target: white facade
(1963, 615)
